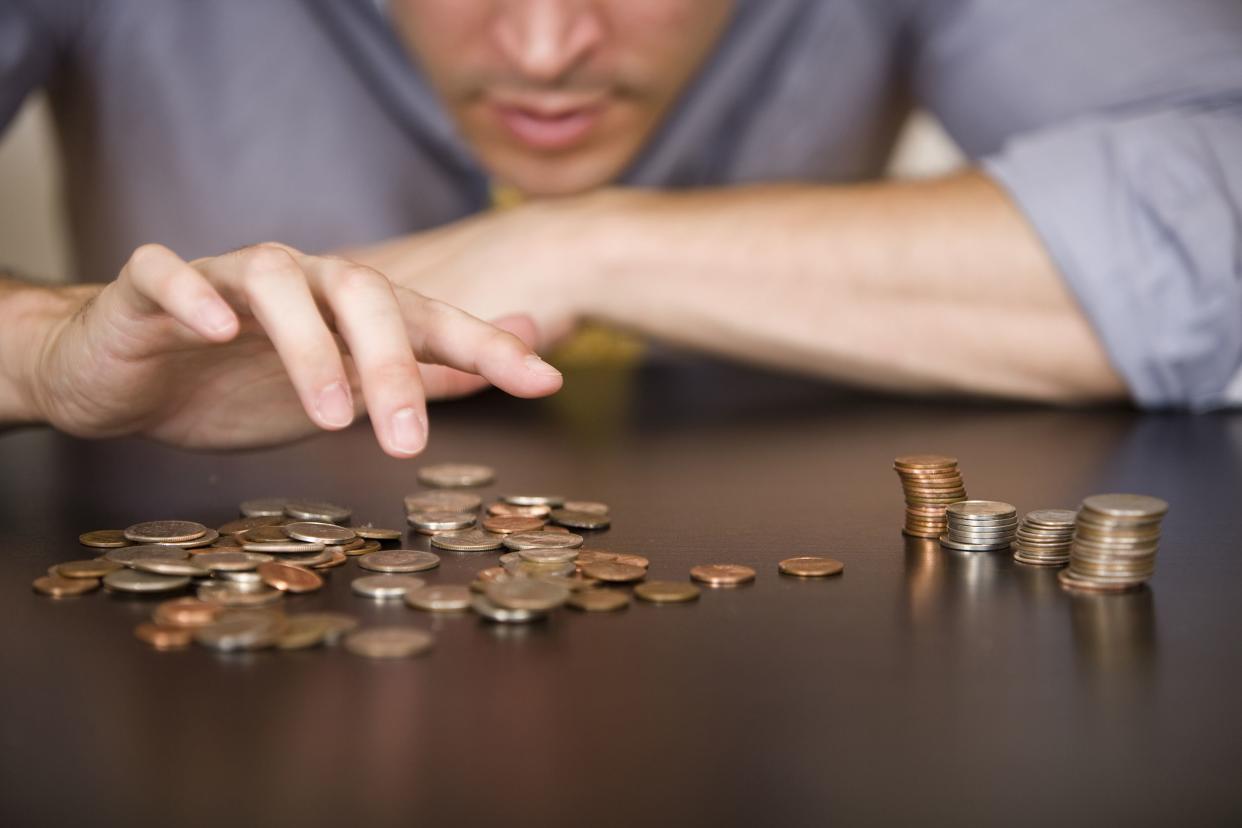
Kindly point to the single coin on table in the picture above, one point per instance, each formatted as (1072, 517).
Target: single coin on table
(723, 574)
(551, 501)
(593, 507)
(614, 573)
(245, 524)
(631, 560)
(810, 566)
(185, 612)
(666, 592)
(289, 578)
(599, 600)
(388, 642)
(164, 637)
(399, 560)
(165, 531)
(131, 580)
(55, 586)
(263, 507)
(433, 522)
(93, 568)
(543, 540)
(509, 525)
(526, 594)
(456, 475)
(317, 510)
(313, 531)
(371, 532)
(581, 520)
(446, 598)
(548, 556)
(189, 568)
(126, 555)
(470, 540)
(249, 629)
(104, 538)
(385, 586)
(502, 509)
(482, 605)
(443, 501)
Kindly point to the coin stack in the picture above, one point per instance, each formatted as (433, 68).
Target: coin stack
(1115, 540)
(1044, 537)
(980, 525)
(930, 482)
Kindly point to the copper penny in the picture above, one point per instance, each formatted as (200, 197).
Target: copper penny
(368, 546)
(492, 573)
(185, 612)
(723, 574)
(289, 578)
(502, 509)
(57, 587)
(590, 556)
(614, 572)
(503, 525)
(631, 560)
(94, 568)
(666, 592)
(809, 566)
(164, 638)
(338, 559)
(104, 539)
(599, 600)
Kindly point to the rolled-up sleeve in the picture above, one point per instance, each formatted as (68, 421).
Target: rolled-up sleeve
(1116, 127)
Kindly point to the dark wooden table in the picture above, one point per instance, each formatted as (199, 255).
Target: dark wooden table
(921, 687)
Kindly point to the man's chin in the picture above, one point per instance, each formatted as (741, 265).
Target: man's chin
(547, 178)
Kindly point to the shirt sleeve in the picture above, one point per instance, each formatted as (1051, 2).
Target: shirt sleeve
(33, 36)
(1116, 127)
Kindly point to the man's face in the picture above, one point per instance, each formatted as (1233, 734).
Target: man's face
(558, 96)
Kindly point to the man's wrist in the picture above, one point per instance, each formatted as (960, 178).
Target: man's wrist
(31, 316)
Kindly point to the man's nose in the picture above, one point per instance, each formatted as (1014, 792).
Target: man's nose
(545, 39)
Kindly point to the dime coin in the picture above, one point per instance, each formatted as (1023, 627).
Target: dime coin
(599, 600)
(614, 573)
(439, 598)
(371, 532)
(317, 510)
(502, 509)
(158, 566)
(386, 586)
(314, 532)
(470, 540)
(251, 629)
(399, 560)
(165, 531)
(388, 642)
(581, 520)
(185, 612)
(131, 580)
(228, 594)
(55, 586)
(809, 566)
(442, 501)
(542, 540)
(241, 525)
(230, 561)
(456, 475)
(429, 523)
(666, 592)
(289, 578)
(94, 568)
(492, 612)
(163, 637)
(526, 594)
(723, 574)
(591, 507)
(631, 560)
(548, 556)
(128, 554)
(264, 507)
(104, 538)
(503, 525)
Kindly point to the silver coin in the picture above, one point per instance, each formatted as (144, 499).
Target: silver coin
(264, 507)
(159, 531)
(310, 558)
(443, 501)
(526, 594)
(552, 501)
(127, 555)
(591, 507)
(543, 540)
(241, 630)
(206, 539)
(230, 594)
(981, 508)
(399, 560)
(528, 569)
(469, 540)
(580, 520)
(239, 577)
(385, 586)
(1126, 505)
(316, 532)
(456, 475)
(548, 556)
(439, 598)
(389, 642)
(230, 561)
(971, 547)
(165, 567)
(1051, 517)
(484, 607)
(317, 510)
(440, 521)
(283, 548)
(131, 580)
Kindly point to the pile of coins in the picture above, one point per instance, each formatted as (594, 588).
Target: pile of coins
(930, 483)
(980, 525)
(1044, 537)
(1115, 541)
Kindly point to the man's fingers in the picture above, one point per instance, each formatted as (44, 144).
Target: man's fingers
(157, 280)
(368, 317)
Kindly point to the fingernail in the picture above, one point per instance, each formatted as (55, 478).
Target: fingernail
(216, 316)
(538, 366)
(335, 406)
(408, 430)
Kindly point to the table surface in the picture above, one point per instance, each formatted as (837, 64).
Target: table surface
(922, 685)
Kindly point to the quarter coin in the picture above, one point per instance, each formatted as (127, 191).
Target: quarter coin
(317, 510)
(542, 540)
(439, 598)
(131, 580)
(470, 540)
(165, 531)
(442, 501)
(385, 586)
(151, 551)
(399, 560)
(316, 532)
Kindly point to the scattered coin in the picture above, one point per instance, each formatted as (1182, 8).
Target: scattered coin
(243, 525)
(286, 547)
(104, 538)
(530, 569)
(808, 566)
(310, 559)
(55, 586)
(666, 592)
(332, 625)
(228, 594)
(548, 556)
(206, 539)
(526, 594)
(289, 578)
(338, 558)
(399, 560)
(355, 551)
(509, 525)
(456, 475)
(371, 532)
(614, 573)
(723, 574)
(385, 586)
(588, 556)
(185, 612)
(128, 554)
(163, 637)
(165, 531)
(231, 561)
(482, 605)
(442, 501)
(328, 534)
(439, 598)
(250, 577)
(94, 568)
(502, 509)
(251, 629)
(592, 507)
(581, 520)
(158, 566)
(388, 642)
(470, 540)
(264, 507)
(542, 540)
(131, 580)
(599, 600)
(631, 560)
(431, 523)
(317, 510)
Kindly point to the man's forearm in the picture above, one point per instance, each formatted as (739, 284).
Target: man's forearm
(916, 286)
(27, 314)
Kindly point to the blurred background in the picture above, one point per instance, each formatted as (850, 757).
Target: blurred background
(32, 237)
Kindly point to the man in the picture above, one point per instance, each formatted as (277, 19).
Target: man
(689, 170)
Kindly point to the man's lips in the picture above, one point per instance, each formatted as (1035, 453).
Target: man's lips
(547, 127)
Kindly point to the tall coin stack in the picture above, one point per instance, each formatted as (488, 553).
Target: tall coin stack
(980, 525)
(1044, 537)
(930, 482)
(1115, 540)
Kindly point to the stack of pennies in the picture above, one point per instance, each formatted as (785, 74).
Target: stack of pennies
(930, 482)
(1115, 540)
(1044, 537)
(980, 526)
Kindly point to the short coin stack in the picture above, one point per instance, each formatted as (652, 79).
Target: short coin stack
(1115, 542)
(930, 482)
(1044, 537)
(980, 525)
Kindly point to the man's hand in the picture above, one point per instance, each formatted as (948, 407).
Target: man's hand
(246, 349)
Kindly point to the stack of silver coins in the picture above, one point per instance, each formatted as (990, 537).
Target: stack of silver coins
(980, 525)
(1044, 537)
(1115, 540)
